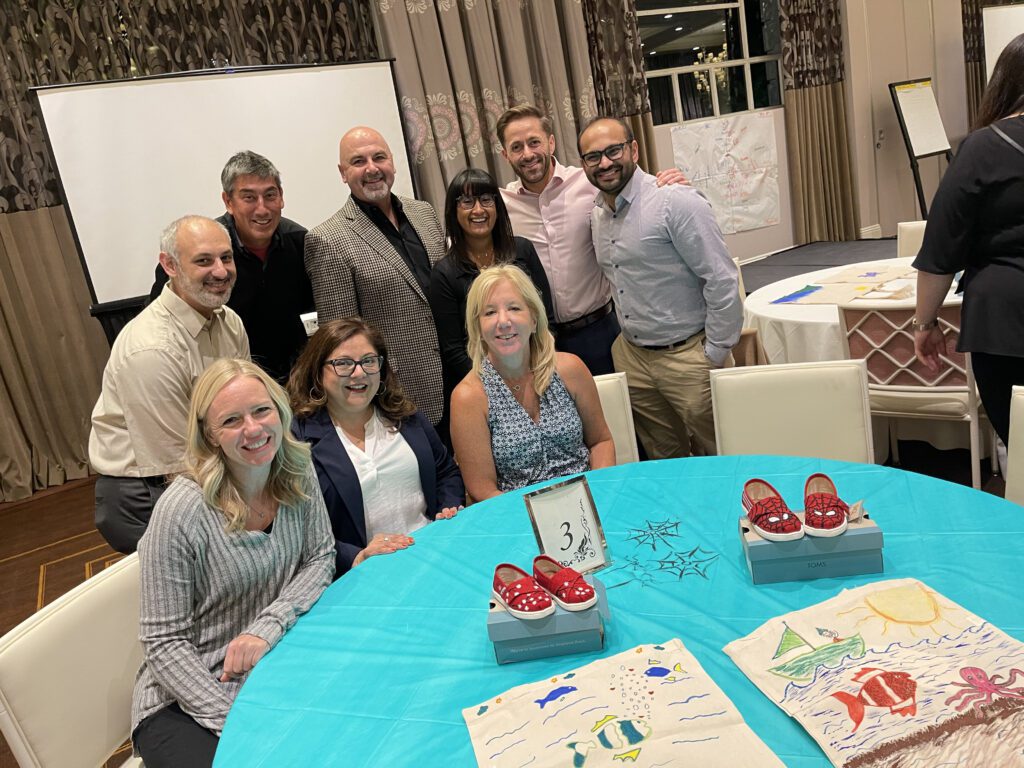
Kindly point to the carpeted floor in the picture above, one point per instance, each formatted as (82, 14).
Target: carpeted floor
(49, 544)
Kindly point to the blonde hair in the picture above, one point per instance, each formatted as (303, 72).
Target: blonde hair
(204, 459)
(542, 343)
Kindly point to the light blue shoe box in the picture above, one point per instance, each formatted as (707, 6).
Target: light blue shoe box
(561, 633)
(856, 551)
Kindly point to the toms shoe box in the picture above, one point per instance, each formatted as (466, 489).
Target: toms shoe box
(856, 551)
(561, 633)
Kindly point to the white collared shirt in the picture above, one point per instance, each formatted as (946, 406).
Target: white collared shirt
(389, 476)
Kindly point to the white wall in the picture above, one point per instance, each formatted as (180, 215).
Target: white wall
(746, 246)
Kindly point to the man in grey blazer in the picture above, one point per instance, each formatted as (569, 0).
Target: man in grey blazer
(373, 258)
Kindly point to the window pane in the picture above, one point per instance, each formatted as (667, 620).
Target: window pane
(663, 101)
(690, 38)
(657, 5)
(732, 89)
(695, 93)
(764, 77)
(763, 38)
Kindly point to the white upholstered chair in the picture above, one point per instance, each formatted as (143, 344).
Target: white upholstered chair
(899, 385)
(1015, 450)
(796, 409)
(909, 236)
(614, 393)
(67, 673)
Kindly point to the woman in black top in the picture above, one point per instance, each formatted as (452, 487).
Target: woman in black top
(479, 234)
(977, 224)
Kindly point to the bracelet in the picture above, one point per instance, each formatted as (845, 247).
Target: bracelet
(917, 326)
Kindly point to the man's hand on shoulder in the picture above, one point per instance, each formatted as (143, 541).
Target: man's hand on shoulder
(671, 176)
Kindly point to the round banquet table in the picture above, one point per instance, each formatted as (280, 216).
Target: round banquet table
(807, 333)
(379, 671)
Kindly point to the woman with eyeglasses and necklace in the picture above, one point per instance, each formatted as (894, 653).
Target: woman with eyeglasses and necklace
(479, 235)
(383, 471)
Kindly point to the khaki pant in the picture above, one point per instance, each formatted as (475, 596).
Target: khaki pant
(671, 396)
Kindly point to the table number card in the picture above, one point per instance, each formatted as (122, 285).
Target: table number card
(567, 526)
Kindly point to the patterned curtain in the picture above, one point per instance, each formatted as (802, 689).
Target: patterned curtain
(616, 58)
(824, 206)
(51, 352)
(974, 51)
(461, 63)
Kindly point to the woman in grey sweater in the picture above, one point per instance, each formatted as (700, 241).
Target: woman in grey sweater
(239, 546)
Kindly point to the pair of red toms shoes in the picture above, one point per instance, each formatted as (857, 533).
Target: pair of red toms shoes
(825, 514)
(534, 597)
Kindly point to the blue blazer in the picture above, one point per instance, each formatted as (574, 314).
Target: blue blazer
(439, 476)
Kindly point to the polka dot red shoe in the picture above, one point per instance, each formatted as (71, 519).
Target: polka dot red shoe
(566, 586)
(768, 513)
(520, 594)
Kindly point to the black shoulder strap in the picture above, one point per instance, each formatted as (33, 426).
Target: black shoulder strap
(1002, 135)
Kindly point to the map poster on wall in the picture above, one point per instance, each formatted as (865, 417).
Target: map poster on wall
(734, 162)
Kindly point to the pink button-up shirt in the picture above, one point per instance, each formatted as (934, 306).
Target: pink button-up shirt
(557, 222)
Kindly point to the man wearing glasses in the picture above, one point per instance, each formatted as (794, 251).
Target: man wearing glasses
(550, 204)
(676, 291)
(373, 259)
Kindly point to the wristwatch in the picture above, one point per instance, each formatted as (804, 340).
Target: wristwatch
(923, 326)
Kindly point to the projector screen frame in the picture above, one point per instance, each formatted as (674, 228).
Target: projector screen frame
(111, 313)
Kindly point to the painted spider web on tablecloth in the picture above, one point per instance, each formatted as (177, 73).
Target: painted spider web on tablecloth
(666, 561)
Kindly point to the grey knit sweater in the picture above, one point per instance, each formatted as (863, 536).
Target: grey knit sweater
(202, 587)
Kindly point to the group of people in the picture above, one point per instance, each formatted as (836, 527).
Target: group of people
(250, 466)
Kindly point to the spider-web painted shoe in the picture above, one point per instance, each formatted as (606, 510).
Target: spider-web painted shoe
(768, 513)
(825, 514)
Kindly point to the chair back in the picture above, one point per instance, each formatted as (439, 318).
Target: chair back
(796, 409)
(613, 390)
(883, 337)
(1015, 450)
(67, 673)
(909, 236)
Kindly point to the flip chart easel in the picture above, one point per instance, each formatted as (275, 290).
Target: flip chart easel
(921, 126)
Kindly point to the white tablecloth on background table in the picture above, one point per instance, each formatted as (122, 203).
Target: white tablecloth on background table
(806, 333)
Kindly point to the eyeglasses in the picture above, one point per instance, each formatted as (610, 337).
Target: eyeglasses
(346, 366)
(467, 202)
(614, 152)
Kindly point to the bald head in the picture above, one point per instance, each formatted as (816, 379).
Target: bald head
(366, 165)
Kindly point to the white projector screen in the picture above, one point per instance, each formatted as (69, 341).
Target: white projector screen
(134, 155)
(1000, 25)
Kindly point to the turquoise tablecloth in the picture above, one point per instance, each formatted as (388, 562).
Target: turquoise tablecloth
(378, 672)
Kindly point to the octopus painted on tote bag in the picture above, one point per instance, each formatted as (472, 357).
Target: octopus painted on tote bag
(893, 673)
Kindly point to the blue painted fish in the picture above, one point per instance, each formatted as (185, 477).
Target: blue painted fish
(657, 672)
(615, 734)
(556, 694)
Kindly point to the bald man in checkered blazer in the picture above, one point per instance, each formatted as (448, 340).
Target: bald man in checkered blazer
(373, 258)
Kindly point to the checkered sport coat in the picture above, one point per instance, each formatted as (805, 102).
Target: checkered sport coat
(354, 270)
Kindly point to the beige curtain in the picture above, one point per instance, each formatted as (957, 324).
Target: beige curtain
(51, 354)
(461, 63)
(619, 77)
(821, 182)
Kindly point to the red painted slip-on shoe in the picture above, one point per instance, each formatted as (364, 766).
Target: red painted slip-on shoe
(768, 513)
(825, 514)
(520, 594)
(565, 585)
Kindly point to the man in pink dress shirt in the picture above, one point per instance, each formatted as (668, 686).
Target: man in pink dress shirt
(550, 205)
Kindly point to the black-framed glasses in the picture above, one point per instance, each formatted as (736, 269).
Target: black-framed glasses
(614, 152)
(466, 202)
(346, 366)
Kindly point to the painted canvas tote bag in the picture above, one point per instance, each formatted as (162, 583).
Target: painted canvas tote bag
(893, 673)
(652, 705)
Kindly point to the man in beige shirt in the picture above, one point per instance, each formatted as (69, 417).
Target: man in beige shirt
(139, 424)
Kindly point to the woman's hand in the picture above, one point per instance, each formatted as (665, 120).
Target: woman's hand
(243, 653)
(928, 345)
(447, 513)
(383, 544)
(671, 176)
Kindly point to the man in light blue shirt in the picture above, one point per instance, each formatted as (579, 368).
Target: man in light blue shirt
(675, 287)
